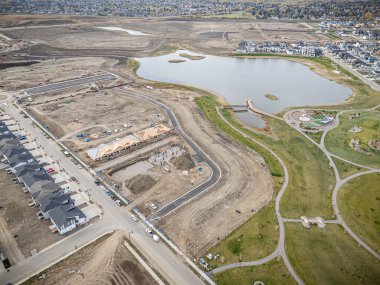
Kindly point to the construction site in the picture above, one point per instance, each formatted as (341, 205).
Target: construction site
(106, 261)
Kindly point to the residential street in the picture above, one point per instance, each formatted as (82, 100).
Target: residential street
(115, 217)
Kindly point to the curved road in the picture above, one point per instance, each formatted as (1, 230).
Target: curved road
(216, 173)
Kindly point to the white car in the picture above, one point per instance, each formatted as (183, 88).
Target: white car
(149, 232)
(152, 205)
(156, 238)
(135, 218)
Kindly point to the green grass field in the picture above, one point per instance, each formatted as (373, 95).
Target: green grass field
(346, 169)
(315, 136)
(329, 256)
(337, 140)
(307, 193)
(255, 239)
(359, 204)
(271, 273)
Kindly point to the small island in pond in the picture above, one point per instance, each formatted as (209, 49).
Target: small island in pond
(271, 97)
(192, 57)
(176, 60)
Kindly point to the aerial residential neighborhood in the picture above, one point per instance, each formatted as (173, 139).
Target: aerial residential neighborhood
(190, 142)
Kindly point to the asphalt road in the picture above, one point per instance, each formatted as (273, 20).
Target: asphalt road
(340, 62)
(67, 84)
(215, 170)
(158, 254)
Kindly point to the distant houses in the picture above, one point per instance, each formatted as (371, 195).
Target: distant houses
(296, 48)
(53, 202)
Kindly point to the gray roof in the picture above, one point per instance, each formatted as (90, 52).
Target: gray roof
(54, 200)
(32, 167)
(64, 214)
(31, 176)
(7, 143)
(41, 188)
(16, 159)
(17, 149)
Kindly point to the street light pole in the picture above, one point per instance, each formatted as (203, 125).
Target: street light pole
(129, 235)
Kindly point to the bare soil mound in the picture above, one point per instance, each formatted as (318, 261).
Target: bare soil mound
(105, 262)
(183, 162)
(140, 183)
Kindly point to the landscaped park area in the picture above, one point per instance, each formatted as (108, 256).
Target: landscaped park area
(354, 137)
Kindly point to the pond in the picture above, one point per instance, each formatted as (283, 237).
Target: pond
(235, 79)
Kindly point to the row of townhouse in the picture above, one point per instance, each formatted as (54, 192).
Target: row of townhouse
(52, 201)
(362, 56)
(296, 48)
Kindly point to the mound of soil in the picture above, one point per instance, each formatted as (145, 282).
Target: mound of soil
(184, 162)
(140, 183)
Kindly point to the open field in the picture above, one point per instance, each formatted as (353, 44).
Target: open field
(307, 193)
(105, 261)
(215, 35)
(359, 203)
(346, 169)
(255, 239)
(52, 71)
(271, 273)
(338, 139)
(20, 222)
(329, 256)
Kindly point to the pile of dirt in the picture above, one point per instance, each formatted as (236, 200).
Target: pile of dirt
(104, 262)
(184, 162)
(140, 183)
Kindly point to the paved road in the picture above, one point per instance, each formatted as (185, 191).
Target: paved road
(160, 256)
(369, 82)
(215, 170)
(67, 84)
(281, 244)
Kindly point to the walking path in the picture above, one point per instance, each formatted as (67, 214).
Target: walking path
(338, 181)
(280, 250)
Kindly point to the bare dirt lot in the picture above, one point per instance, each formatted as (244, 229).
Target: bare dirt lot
(199, 34)
(159, 176)
(51, 71)
(21, 230)
(106, 261)
(98, 117)
(246, 185)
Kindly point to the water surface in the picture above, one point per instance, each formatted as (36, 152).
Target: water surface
(239, 78)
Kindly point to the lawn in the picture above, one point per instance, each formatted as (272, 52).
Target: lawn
(315, 136)
(271, 273)
(255, 239)
(359, 204)
(329, 256)
(337, 140)
(311, 180)
(346, 169)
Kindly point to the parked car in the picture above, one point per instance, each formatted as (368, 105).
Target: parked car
(135, 218)
(149, 232)
(156, 238)
(119, 202)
